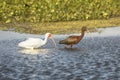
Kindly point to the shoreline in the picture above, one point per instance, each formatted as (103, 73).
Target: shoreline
(59, 27)
(102, 32)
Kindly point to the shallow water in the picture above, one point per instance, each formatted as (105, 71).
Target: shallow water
(96, 58)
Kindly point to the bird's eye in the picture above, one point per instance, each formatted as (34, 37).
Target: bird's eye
(49, 35)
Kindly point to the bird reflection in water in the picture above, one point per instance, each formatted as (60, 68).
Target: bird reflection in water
(33, 51)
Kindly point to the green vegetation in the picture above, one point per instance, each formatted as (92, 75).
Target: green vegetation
(58, 16)
(57, 10)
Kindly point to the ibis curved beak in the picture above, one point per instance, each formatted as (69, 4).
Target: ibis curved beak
(53, 41)
(88, 31)
(89, 34)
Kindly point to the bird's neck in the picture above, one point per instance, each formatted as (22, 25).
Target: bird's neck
(45, 40)
(83, 33)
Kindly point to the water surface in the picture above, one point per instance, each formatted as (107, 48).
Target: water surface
(96, 58)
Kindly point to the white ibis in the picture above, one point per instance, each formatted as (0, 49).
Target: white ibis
(32, 43)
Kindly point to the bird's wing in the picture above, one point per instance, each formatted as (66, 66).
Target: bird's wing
(69, 40)
(72, 39)
(33, 39)
(31, 42)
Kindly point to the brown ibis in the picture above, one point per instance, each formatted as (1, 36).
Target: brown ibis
(72, 40)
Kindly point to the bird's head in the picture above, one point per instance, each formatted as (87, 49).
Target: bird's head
(49, 35)
(84, 28)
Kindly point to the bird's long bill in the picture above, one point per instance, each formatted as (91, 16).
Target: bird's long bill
(89, 34)
(53, 41)
(88, 31)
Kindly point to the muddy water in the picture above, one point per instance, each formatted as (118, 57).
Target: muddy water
(96, 58)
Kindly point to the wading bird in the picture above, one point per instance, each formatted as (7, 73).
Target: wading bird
(32, 43)
(72, 40)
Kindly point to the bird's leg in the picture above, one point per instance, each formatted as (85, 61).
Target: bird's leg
(71, 45)
(65, 46)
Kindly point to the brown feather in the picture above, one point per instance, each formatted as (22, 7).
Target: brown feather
(71, 40)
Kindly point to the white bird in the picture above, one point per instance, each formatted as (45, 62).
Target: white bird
(32, 43)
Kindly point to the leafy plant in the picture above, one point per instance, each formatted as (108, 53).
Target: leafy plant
(57, 10)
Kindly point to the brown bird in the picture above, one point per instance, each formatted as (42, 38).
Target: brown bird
(72, 40)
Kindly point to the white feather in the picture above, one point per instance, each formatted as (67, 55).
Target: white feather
(32, 43)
